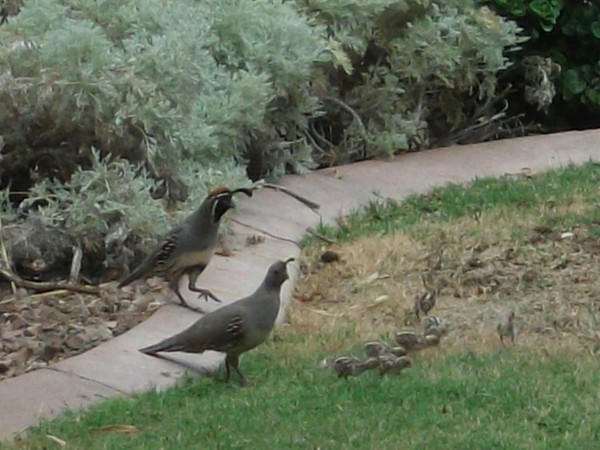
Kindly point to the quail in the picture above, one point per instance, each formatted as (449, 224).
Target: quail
(507, 328)
(425, 301)
(188, 247)
(374, 349)
(346, 366)
(234, 328)
(433, 325)
(393, 364)
(409, 340)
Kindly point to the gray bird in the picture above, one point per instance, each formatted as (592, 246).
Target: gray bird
(507, 328)
(234, 328)
(188, 247)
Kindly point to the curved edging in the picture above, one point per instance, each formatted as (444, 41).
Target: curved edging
(115, 367)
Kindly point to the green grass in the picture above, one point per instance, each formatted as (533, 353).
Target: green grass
(456, 201)
(502, 400)
(510, 399)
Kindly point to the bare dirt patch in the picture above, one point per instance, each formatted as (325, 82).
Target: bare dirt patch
(495, 263)
(41, 329)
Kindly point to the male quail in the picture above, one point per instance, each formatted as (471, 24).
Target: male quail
(188, 247)
(507, 328)
(234, 328)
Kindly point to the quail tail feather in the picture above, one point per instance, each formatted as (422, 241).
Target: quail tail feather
(172, 344)
(137, 273)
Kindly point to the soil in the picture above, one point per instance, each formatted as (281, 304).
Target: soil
(37, 330)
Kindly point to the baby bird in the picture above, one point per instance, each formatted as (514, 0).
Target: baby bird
(409, 340)
(431, 340)
(432, 325)
(507, 328)
(393, 364)
(424, 303)
(373, 349)
(346, 366)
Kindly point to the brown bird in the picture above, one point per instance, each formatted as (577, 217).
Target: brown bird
(188, 247)
(346, 366)
(507, 328)
(409, 340)
(393, 364)
(234, 328)
(424, 303)
(374, 349)
(433, 325)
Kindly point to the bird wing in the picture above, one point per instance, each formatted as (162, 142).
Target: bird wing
(166, 247)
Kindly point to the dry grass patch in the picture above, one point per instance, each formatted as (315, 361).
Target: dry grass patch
(499, 261)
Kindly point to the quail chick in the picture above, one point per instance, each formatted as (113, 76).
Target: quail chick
(424, 303)
(506, 328)
(433, 325)
(346, 366)
(187, 248)
(234, 328)
(390, 364)
(409, 340)
(375, 348)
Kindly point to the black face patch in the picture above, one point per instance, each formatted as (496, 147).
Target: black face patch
(221, 205)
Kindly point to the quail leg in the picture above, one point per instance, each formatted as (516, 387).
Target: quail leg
(175, 287)
(233, 361)
(193, 276)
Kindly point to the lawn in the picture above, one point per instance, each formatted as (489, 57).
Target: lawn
(528, 245)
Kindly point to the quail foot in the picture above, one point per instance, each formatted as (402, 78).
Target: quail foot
(188, 247)
(506, 328)
(234, 328)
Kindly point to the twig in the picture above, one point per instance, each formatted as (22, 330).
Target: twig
(309, 203)
(264, 232)
(56, 293)
(75, 264)
(354, 114)
(318, 235)
(13, 287)
(47, 285)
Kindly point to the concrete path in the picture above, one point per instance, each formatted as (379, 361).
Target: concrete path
(117, 368)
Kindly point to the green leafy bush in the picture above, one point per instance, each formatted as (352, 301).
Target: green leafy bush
(565, 35)
(193, 93)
